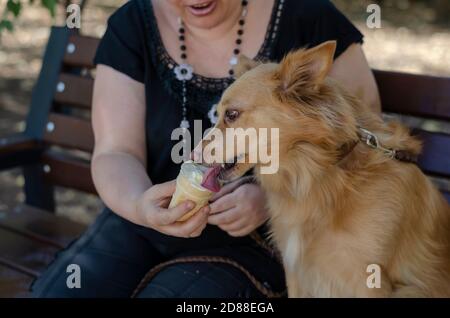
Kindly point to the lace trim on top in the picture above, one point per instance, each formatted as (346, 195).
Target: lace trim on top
(210, 88)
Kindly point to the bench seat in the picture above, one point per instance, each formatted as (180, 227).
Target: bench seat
(29, 240)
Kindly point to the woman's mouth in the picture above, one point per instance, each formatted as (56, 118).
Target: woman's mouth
(202, 9)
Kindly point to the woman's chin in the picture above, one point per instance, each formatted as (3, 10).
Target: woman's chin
(203, 23)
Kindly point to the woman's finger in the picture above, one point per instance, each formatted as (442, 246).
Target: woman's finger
(226, 217)
(222, 204)
(186, 228)
(169, 216)
(198, 231)
(228, 188)
(164, 203)
(164, 190)
(237, 225)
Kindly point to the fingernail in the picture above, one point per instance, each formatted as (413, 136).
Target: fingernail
(189, 205)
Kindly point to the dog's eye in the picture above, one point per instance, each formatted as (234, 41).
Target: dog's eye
(231, 115)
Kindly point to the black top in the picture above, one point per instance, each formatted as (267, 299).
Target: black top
(132, 45)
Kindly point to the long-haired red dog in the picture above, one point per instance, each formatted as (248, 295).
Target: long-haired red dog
(344, 197)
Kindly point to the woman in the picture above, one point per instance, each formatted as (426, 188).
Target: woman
(162, 64)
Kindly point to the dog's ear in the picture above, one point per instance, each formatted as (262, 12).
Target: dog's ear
(244, 65)
(306, 67)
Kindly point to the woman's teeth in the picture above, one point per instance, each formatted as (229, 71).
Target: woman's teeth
(201, 5)
(202, 9)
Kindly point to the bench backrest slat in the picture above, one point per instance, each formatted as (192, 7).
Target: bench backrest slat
(67, 171)
(447, 195)
(417, 95)
(74, 90)
(435, 157)
(69, 132)
(426, 97)
(80, 51)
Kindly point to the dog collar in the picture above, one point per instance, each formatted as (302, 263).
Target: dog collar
(372, 141)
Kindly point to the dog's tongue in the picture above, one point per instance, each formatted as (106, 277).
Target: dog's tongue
(210, 179)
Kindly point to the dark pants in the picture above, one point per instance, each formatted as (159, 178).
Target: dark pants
(114, 255)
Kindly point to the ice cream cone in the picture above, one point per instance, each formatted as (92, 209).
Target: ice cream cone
(189, 188)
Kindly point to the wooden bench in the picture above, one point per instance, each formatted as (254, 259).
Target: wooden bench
(55, 149)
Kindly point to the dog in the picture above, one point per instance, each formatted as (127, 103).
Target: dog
(349, 213)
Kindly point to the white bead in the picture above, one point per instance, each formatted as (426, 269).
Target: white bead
(60, 87)
(46, 169)
(184, 124)
(234, 60)
(212, 114)
(50, 126)
(70, 48)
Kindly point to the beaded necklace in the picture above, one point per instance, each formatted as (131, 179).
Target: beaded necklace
(184, 72)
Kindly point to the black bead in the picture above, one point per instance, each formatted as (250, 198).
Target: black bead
(183, 71)
(183, 48)
(236, 51)
(238, 41)
(183, 56)
(231, 72)
(244, 2)
(181, 37)
(181, 30)
(240, 32)
(241, 22)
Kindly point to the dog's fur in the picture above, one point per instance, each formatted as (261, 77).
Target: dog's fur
(332, 213)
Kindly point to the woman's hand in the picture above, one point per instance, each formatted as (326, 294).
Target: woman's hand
(238, 208)
(152, 208)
